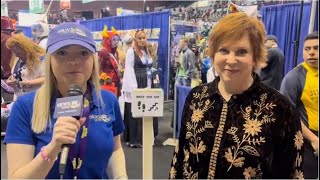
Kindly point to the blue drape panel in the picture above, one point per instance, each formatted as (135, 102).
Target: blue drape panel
(183, 92)
(138, 21)
(283, 21)
(26, 30)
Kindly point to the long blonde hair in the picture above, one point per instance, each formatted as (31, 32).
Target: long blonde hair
(41, 116)
(32, 50)
(137, 48)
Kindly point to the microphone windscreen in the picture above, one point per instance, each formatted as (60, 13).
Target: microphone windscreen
(75, 90)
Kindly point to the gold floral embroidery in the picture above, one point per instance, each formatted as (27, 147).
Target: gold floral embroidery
(298, 140)
(198, 108)
(298, 160)
(187, 171)
(298, 174)
(197, 115)
(173, 173)
(252, 127)
(186, 155)
(249, 172)
(237, 162)
(201, 148)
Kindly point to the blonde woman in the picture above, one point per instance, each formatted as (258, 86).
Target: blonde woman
(27, 71)
(34, 138)
(138, 65)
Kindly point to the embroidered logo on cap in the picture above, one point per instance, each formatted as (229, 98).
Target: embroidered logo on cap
(72, 30)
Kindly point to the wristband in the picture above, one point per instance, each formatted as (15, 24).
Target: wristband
(45, 156)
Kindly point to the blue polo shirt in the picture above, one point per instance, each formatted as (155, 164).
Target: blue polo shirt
(104, 123)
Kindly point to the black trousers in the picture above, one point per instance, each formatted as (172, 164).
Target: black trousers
(310, 162)
(133, 127)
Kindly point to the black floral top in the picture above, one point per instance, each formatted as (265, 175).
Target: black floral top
(256, 134)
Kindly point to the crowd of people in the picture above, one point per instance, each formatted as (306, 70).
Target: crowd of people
(244, 118)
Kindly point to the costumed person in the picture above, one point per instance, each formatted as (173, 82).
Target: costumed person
(107, 84)
(108, 57)
(6, 54)
(40, 32)
(7, 58)
(28, 70)
(236, 127)
(137, 74)
(35, 137)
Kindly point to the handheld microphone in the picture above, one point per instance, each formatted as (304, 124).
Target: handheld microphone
(68, 106)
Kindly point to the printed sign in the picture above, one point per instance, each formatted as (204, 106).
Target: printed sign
(36, 6)
(68, 106)
(147, 103)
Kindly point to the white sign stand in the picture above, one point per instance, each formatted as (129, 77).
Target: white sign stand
(147, 103)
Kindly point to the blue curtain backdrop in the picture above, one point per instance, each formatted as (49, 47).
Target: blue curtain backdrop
(139, 21)
(283, 21)
(26, 30)
(182, 93)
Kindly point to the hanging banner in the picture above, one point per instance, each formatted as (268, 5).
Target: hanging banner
(28, 19)
(4, 8)
(36, 6)
(65, 4)
(87, 1)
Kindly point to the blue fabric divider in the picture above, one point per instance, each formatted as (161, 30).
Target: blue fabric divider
(283, 21)
(183, 92)
(26, 30)
(140, 21)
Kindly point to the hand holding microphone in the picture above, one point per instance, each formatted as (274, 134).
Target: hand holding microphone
(65, 131)
(68, 112)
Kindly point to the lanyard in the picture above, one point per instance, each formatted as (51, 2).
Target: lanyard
(77, 151)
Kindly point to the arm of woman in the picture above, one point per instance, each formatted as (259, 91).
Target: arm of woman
(116, 168)
(310, 136)
(129, 82)
(36, 82)
(22, 164)
(117, 163)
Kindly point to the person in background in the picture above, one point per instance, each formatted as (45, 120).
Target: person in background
(301, 87)
(206, 64)
(40, 32)
(236, 127)
(137, 74)
(128, 40)
(34, 137)
(27, 71)
(185, 64)
(6, 54)
(211, 74)
(108, 57)
(272, 75)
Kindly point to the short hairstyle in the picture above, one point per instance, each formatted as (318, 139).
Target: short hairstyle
(233, 27)
(311, 36)
(185, 39)
(272, 37)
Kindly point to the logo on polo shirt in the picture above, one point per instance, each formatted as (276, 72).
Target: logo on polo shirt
(72, 30)
(103, 117)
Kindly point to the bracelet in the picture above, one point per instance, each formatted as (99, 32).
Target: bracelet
(45, 156)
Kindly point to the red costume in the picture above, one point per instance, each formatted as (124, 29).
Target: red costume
(108, 58)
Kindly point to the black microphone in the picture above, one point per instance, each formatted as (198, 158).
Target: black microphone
(68, 106)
